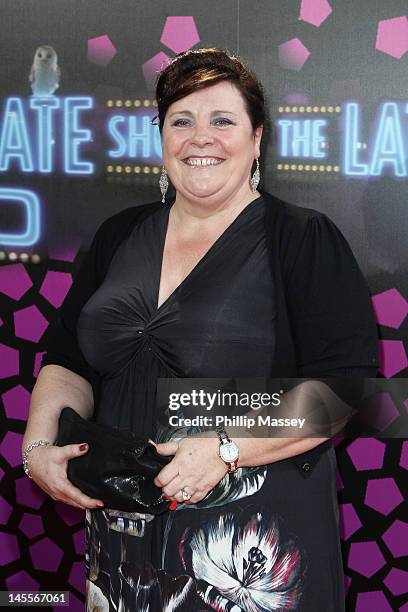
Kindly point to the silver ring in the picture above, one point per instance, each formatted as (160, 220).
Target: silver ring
(185, 495)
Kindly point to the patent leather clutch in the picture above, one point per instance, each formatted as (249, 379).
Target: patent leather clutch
(118, 468)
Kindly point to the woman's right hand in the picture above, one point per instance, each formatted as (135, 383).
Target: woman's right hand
(48, 468)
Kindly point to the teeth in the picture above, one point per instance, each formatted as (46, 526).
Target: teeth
(203, 161)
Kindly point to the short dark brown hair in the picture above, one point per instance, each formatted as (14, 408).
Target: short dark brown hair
(199, 68)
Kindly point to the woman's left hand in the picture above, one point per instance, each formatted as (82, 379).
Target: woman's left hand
(196, 468)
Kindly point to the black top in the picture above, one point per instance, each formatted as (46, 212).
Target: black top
(324, 321)
(219, 322)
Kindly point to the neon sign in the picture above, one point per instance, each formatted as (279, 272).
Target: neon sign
(302, 138)
(29, 135)
(31, 204)
(387, 152)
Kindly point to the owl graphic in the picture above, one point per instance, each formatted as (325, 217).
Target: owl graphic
(45, 73)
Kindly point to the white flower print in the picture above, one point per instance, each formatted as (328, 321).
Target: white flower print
(240, 563)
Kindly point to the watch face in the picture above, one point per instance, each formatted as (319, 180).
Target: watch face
(229, 451)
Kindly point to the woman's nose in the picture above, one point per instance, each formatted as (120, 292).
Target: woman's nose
(202, 134)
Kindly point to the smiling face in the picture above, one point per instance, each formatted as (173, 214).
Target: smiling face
(209, 145)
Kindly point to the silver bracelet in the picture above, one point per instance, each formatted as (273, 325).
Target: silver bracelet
(28, 449)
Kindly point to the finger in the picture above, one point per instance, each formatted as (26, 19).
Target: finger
(166, 474)
(197, 497)
(76, 495)
(74, 450)
(180, 497)
(70, 502)
(167, 448)
(173, 487)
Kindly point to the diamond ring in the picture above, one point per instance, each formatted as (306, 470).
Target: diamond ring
(185, 495)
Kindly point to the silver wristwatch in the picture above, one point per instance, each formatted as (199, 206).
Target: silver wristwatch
(228, 451)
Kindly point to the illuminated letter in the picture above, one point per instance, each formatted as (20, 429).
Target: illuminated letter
(144, 136)
(73, 136)
(32, 205)
(14, 137)
(352, 119)
(117, 136)
(388, 147)
(45, 130)
(301, 138)
(318, 138)
(157, 145)
(284, 142)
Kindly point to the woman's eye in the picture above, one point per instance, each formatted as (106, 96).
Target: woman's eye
(181, 122)
(222, 121)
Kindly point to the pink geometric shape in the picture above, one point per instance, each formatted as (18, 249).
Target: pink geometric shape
(21, 581)
(101, 50)
(29, 323)
(14, 280)
(396, 538)
(314, 11)
(79, 541)
(77, 576)
(46, 555)
(55, 287)
(153, 67)
(10, 448)
(293, 54)
(63, 253)
(349, 521)
(390, 308)
(180, 33)
(37, 362)
(404, 455)
(16, 402)
(392, 36)
(297, 98)
(397, 581)
(367, 453)
(31, 525)
(392, 357)
(9, 361)
(383, 495)
(373, 601)
(365, 558)
(347, 583)
(9, 550)
(5, 511)
(29, 494)
(69, 514)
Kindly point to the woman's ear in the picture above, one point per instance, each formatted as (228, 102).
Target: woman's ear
(257, 141)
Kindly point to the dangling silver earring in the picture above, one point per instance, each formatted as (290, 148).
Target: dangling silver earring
(163, 184)
(256, 177)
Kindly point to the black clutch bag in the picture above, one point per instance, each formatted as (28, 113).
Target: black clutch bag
(118, 467)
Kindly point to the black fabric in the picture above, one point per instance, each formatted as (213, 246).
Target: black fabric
(314, 271)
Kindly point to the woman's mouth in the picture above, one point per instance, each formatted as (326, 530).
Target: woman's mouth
(203, 161)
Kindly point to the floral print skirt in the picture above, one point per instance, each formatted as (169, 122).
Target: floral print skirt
(265, 539)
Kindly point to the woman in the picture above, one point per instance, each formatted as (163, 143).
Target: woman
(224, 281)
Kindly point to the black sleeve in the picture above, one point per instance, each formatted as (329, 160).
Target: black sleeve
(61, 337)
(332, 318)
